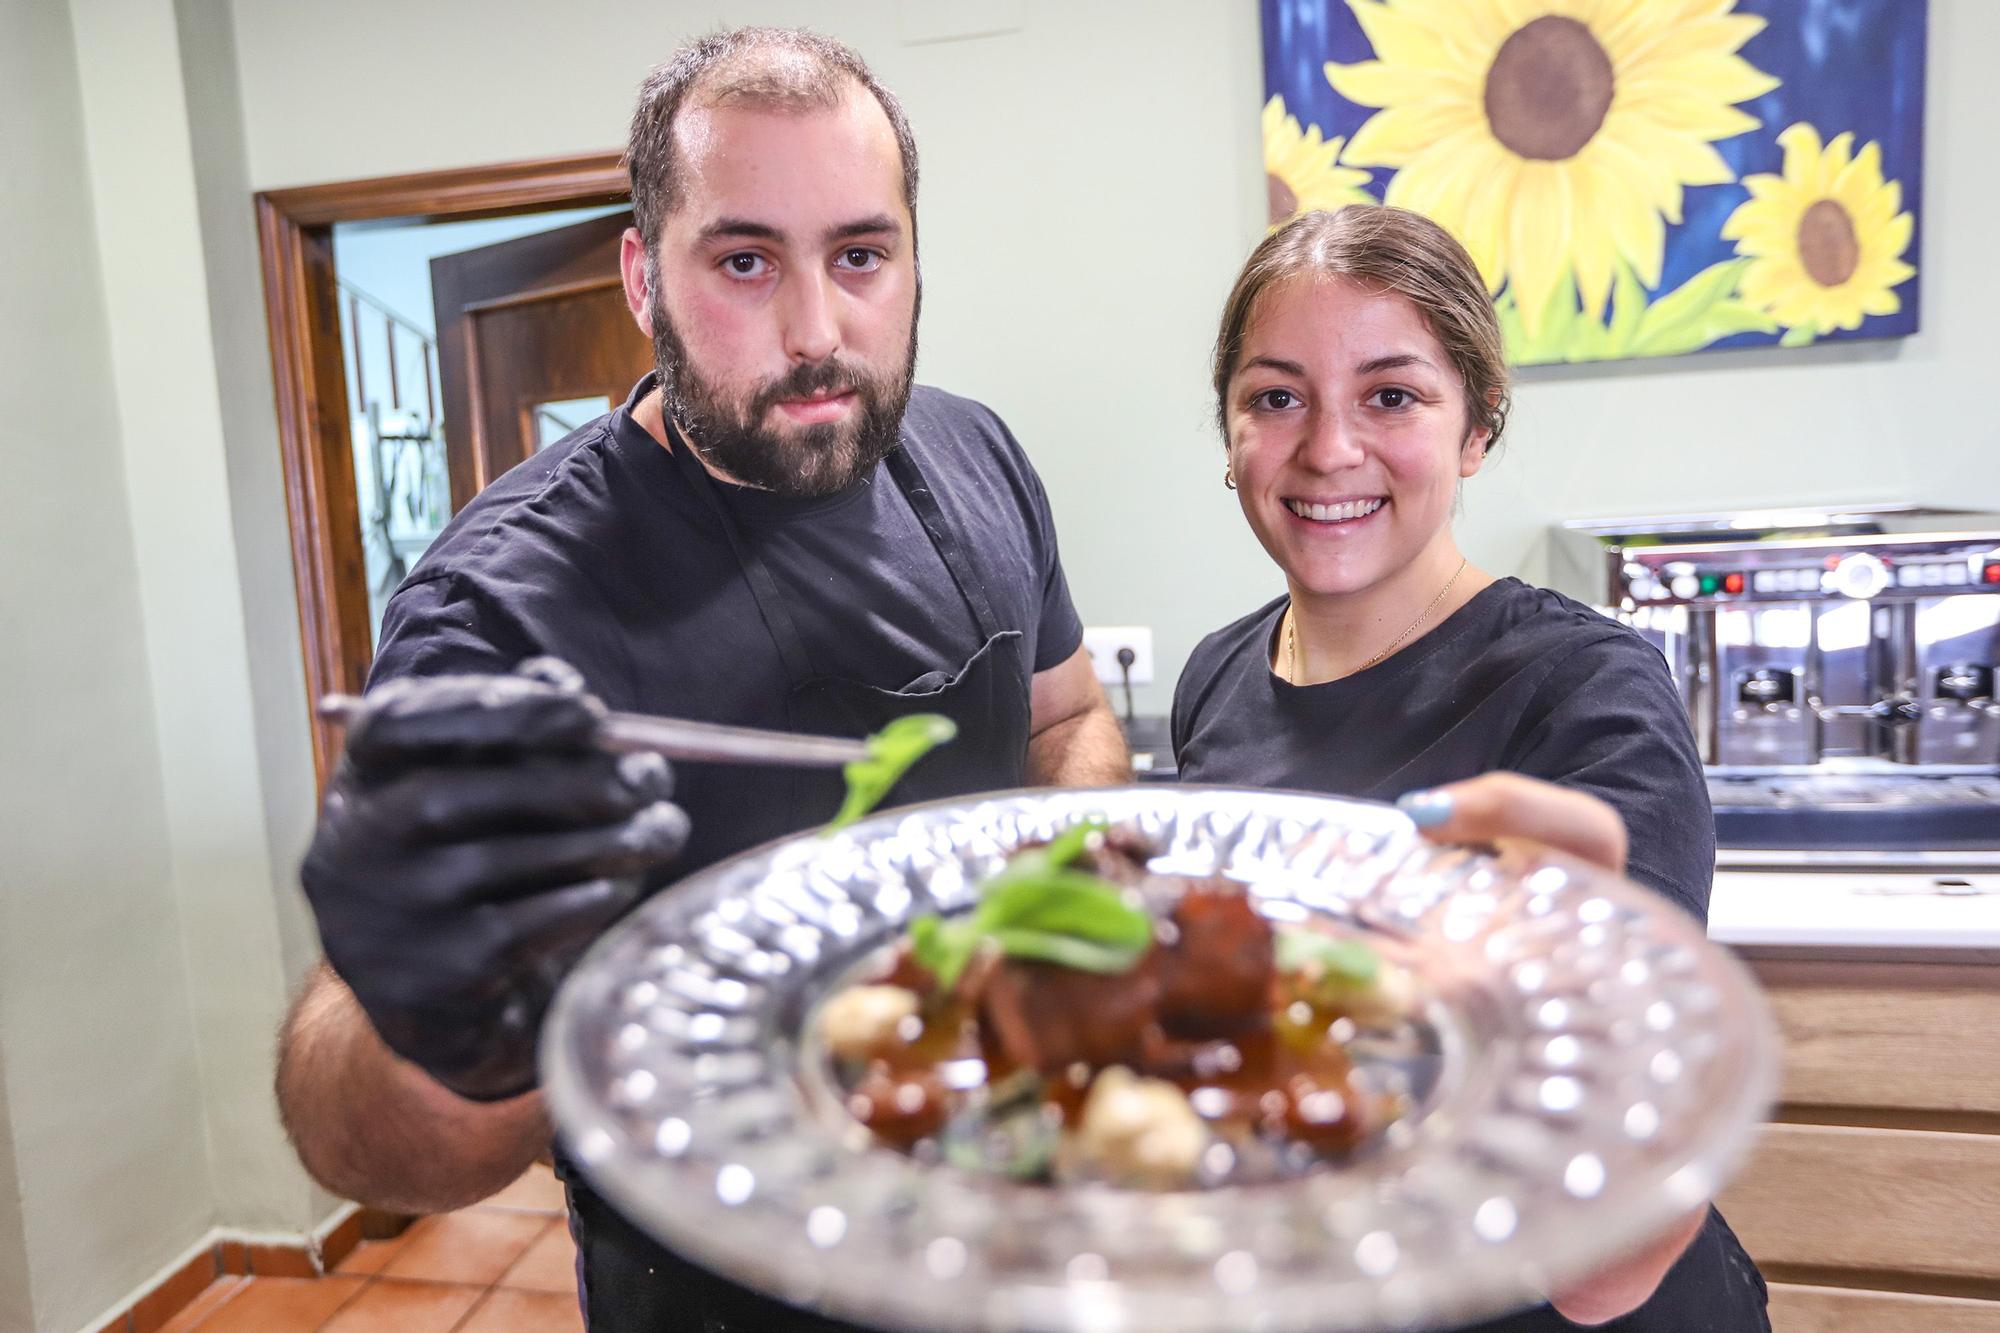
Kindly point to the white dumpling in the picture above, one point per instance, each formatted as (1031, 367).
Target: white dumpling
(1140, 1131)
(863, 1020)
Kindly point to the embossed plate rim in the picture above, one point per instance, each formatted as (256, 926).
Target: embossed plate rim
(870, 1235)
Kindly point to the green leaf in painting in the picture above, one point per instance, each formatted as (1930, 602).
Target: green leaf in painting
(1799, 335)
(1701, 310)
(1512, 336)
(1628, 307)
(1561, 315)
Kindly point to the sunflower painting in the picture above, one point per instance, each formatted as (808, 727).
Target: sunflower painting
(1633, 177)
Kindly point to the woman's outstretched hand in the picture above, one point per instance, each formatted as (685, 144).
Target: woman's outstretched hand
(1509, 810)
(1520, 815)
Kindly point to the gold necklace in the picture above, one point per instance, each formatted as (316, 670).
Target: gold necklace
(1292, 630)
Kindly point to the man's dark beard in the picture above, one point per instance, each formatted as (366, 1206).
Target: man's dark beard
(817, 460)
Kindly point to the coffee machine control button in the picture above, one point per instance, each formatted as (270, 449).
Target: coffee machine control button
(1860, 576)
(1765, 686)
(1965, 681)
(1686, 587)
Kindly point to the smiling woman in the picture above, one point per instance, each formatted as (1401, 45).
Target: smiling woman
(1359, 380)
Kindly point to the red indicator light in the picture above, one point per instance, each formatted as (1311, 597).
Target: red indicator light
(1732, 583)
(1992, 574)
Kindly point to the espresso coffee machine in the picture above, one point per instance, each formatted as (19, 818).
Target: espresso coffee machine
(1838, 665)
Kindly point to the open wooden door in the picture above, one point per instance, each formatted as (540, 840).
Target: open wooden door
(524, 324)
(315, 430)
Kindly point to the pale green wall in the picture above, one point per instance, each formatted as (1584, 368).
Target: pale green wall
(97, 1046)
(248, 946)
(17, 1308)
(189, 345)
(1091, 183)
(158, 784)
(242, 361)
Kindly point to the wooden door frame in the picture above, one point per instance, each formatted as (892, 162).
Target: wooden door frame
(302, 306)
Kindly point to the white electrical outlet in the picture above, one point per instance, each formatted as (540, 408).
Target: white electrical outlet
(1102, 642)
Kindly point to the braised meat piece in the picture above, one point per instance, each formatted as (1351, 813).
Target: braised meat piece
(1120, 857)
(904, 970)
(901, 1106)
(1215, 973)
(1047, 1017)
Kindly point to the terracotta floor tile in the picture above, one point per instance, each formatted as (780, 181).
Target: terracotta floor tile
(506, 1311)
(152, 1311)
(366, 1258)
(206, 1304)
(389, 1306)
(536, 1191)
(548, 1265)
(470, 1245)
(281, 1305)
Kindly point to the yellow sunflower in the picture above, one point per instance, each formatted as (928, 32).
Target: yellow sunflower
(1299, 170)
(1826, 239)
(1551, 135)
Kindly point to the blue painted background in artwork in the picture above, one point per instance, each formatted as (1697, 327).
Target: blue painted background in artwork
(1844, 64)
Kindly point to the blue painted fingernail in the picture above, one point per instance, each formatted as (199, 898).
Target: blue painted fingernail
(1426, 809)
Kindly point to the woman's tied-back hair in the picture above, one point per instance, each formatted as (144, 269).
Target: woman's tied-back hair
(1392, 250)
(788, 68)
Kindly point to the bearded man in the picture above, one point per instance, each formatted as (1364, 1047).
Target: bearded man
(777, 530)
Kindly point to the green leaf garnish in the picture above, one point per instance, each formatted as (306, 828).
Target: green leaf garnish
(944, 947)
(1066, 902)
(1037, 907)
(1340, 961)
(1067, 950)
(891, 751)
(1066, 846)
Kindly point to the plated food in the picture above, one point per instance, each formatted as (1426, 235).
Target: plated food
(1563, 1067)
(1091, 1019)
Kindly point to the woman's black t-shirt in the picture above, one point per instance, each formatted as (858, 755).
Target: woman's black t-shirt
(1520, 679)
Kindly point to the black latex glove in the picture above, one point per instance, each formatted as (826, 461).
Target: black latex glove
(473, 843)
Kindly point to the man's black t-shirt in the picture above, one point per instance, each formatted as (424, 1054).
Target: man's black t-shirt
(596, 550)
(1520, 679)
(602, 551)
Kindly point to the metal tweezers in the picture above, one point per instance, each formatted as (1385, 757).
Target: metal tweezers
(678, 738)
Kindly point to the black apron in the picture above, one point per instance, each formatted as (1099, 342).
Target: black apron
(627, 1283)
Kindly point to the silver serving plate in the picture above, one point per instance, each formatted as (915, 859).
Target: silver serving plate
(1601, 1069)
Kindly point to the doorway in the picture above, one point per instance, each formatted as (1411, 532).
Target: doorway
(399, 398)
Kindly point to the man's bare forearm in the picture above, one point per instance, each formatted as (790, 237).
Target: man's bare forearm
(1087, 750)
(374, 1128)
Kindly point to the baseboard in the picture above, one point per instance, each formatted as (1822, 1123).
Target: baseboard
(226, 1252)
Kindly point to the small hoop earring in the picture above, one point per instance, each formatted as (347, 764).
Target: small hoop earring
(1229, 477)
